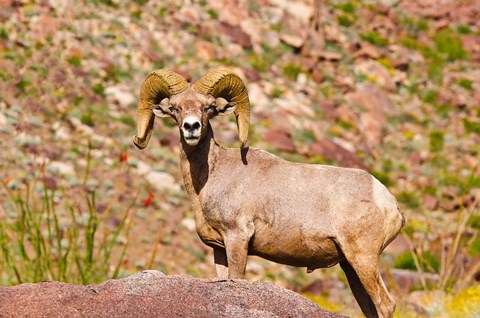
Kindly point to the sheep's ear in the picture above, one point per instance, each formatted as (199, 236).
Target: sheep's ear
(224, 107)
(163, 109)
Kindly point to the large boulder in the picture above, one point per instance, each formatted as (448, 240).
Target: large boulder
(153, 294)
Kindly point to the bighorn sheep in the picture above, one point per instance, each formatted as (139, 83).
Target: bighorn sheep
(248, 201)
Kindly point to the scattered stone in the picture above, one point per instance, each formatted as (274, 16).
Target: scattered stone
(272, 39)
(427, 303)
(120, 95)
(301, 11)
(471, 43)
(252, 75)
(386, 3)
(281, 119)
(292, 40)
(235, 34)
(254, 267)
(89, 131)
(61, 168)
(160, 180)
(258, 98)
(407, 280)
(205, 50)
(365, 49)
(430, 202)
(232, 12)
(374, 105)
(328, 149)
(189, 224)
(376, 72)
(279, 139)
(330, 56)
(25, 140)
(3, 122)
(329, 109)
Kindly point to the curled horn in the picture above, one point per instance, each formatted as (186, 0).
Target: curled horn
(157, 85)
(225, 84)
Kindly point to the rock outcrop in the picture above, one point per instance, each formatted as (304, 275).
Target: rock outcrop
(153, 294)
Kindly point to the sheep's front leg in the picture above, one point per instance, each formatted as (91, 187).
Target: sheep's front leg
(236, 245)
(221, 265)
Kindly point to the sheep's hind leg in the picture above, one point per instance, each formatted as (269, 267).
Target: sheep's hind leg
(221, 265)
(364, 276)
(359, 292)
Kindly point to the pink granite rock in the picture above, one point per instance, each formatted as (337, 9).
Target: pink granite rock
(153, 294)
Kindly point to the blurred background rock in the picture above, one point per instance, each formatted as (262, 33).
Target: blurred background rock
(392, 87)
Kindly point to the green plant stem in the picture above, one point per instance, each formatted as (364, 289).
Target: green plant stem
(89, 157)
(453, 251)
(417, 264)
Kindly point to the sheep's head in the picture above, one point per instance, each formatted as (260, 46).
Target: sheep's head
(167, 94)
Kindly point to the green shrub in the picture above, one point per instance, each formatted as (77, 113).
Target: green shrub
(436, 141)
(75, 60)
(99, 89)
(375, 38)
(405, 261)
(414, 26)
(465, 83)
(346, 20)
(430, 96)
(449, 44)
(292, 70)
(464, 29)
(213, 13)
(409, 199)
(428, 261)
(383, 177)
(348, 7)
(474, 248)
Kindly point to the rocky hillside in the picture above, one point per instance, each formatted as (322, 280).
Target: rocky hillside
(392, 87)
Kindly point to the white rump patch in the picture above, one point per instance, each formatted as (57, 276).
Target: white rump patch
(388, 205)
(381, 196)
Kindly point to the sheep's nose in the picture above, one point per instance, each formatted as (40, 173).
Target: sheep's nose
(190, 126)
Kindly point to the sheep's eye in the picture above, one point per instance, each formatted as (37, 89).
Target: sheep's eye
(210, 108)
